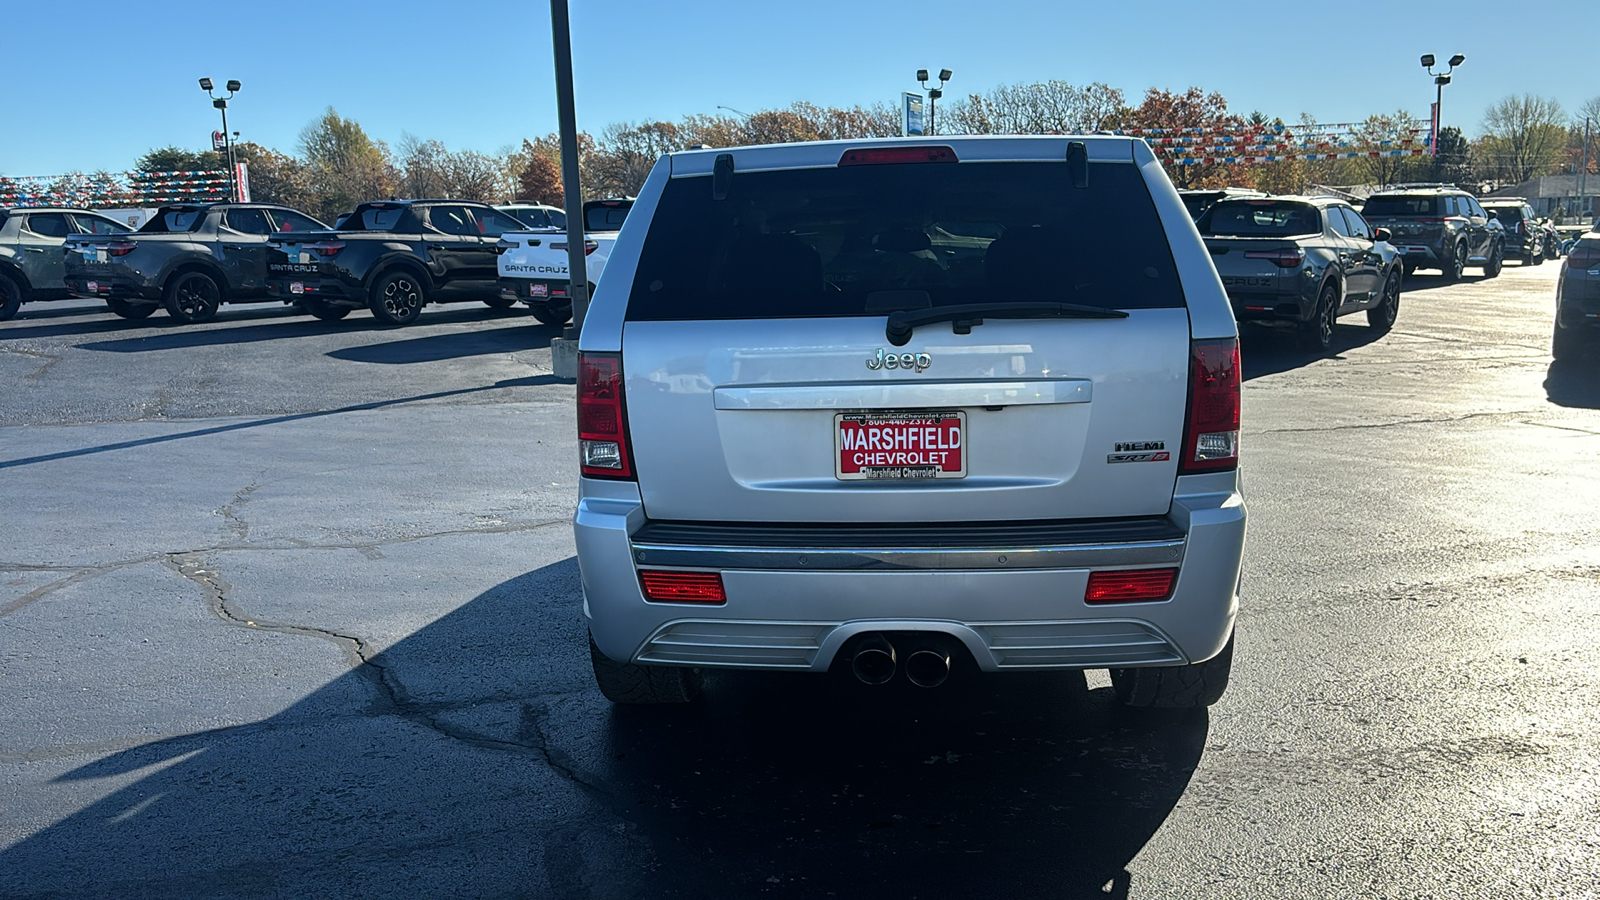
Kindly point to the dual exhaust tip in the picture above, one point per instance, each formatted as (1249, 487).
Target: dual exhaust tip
(876, 661)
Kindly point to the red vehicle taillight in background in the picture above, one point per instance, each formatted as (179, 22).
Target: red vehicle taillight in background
(120, 248)
(682, 587)
(326, 248)
(1130, 586)
(588, 246)
(602, 417)
(1211, 430)
(1286, 258)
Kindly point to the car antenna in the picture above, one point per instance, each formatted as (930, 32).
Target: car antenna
(721, 176)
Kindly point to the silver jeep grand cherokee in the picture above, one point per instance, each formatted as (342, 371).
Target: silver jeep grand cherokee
(904, 406)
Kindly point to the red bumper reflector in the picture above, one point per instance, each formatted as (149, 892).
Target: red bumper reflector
(683, 587)
(1130, 586)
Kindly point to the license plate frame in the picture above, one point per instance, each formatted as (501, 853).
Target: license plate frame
(925, 452)
(541, 291)
(297, 287)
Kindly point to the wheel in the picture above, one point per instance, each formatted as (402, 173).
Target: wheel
(1316, 333)
(397, 298)
(326, 311)
(192, 297)
(1176, 687)
(1457, 263)
(552, 315)
(130, 310)
(1567, 343)
(1497, 261)
(1408, 267)
(10, 297)
(629, 683)
(1383, 315)
(499, 302)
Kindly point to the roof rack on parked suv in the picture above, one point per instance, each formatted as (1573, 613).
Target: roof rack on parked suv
(1415, 185)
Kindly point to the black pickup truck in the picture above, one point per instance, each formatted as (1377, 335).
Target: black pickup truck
(393, 257)
(189, 257)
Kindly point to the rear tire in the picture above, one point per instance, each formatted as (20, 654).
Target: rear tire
(1456, 265)
(1497, 261)
(1316, 333)
(192, 297)
(1567, 343)
(552, 315)
(636, 684)
(128, 310)
(10, 297)
(1176, 687)
(325, 311)
(1537, 256)
(1383, 315)
(499, 302)
(398, 297)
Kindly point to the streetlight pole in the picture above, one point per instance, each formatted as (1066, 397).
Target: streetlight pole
(933, 93)
(1440, 79)
(564, 351)
(1583, 174)
(221, 103)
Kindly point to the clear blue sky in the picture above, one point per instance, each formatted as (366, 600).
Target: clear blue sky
(92, 84)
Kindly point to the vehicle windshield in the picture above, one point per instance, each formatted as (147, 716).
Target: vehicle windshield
(865, 240)
(537, 218)
(174, 220)
(1260, 218)
(1506, 213)
(1402, 205)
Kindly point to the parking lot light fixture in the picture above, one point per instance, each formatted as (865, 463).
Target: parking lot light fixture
(1427, 60)
(933, 93)
(221, 103)
(1457, 60)
(1440, 79)
(205, 85)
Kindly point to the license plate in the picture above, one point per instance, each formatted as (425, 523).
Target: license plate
(538, 290)
(297, 287)
(900, 446)
(93, 286)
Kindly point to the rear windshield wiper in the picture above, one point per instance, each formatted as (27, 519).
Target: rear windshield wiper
(963, 317)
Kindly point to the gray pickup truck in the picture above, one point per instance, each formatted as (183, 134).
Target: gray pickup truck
(30, 251)
(189, 258)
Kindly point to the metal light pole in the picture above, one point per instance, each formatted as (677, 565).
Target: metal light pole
(1440, 79)
(221, 103)
(933, 93)
(1583, 174)
(564, 352)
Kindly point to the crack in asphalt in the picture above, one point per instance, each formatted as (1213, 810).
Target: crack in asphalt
(230, 512)
(50, 359)
(366, 548)
(391, 696)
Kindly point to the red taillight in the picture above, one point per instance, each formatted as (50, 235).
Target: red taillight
(1430, 221)
(120, 248)
(881, 156)
(588, 247)
(1287, 258)
(1583, 257)
(326, 248)
(1211, 434)
(602, 418)
(683, 587)
(1130, 586)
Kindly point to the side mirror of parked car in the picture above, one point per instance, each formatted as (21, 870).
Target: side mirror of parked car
(1383, 235)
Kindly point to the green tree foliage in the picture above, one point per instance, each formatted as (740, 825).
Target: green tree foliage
(345, 166)
(1523, 137)
(177, 159)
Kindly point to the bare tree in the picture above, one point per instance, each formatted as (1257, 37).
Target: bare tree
(1045, 107)
(1523, 136)
(626, 153)
(1386, 134)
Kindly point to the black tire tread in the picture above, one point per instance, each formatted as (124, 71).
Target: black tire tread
(1176, 687)
(1377, 317)
(629, 683)
(11, 296)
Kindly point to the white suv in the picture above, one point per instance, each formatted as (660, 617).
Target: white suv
(904, 406)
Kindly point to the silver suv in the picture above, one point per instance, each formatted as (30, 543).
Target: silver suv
(905, 407)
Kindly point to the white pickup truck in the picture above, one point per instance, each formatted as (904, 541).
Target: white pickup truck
(533, 264)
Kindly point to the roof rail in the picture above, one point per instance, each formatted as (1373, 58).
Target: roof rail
(1421, 184)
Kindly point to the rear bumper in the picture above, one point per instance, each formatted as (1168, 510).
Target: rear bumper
(337, 291)
(1015, 602)
(527, 291)
(114, 285)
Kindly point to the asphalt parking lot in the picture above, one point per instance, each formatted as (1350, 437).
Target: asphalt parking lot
(290, 608)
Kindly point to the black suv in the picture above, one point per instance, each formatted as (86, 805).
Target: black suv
(1525, 237)
(1439, 227)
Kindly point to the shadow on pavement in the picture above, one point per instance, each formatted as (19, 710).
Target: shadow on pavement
(475, 758)
(209, 334)
(529, 381)
(104, 322)
(452, 346)
(1265, 350)
(1574, 382)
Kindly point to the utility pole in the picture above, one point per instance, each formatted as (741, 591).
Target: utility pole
(1583, 175)
(564, 350)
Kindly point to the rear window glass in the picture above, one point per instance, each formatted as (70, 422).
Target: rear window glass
(1506, 213)
(174, 220)
(604, 217)
(1260, 218)
(373, 219)
(821, 242)
(1402, 205)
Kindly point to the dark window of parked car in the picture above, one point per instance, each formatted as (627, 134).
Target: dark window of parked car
(452, 220)
(1358, 225)
(249, 221)
(494, 224)
(174, 220)
(605, 215)
(49, 224)
(1403, 205)
(1336, 221)
(536, 218)
(88, 224)
(831, 242)
(1470, 207)
(1260, 218)
(374, 218)
(289, 220)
